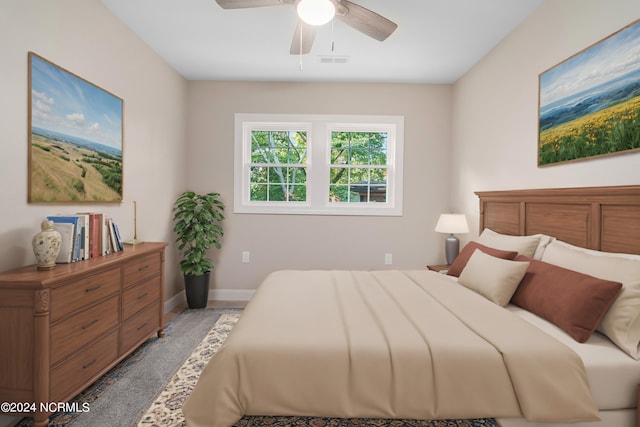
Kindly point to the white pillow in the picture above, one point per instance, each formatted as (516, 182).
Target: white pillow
(524, 245)
(494, 278)
(545, 240)
(621, 323)
(597, 253)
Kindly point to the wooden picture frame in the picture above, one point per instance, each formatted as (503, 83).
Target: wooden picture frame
(75, 138)
(589, 104)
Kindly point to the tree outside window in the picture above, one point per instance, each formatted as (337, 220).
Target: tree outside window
(358, 167)
(278, 166)
(318, 164)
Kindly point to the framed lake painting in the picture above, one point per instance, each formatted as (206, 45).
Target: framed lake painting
(589, 105)
(75, 138)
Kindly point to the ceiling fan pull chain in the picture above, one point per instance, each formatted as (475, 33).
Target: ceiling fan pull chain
(300, 52)
(333, 42)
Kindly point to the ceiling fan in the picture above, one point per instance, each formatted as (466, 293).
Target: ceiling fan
(362, 19)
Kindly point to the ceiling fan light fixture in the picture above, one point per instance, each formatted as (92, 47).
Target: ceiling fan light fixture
(316, 12)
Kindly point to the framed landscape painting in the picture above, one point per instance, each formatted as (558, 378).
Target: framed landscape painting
(589, 105)
(75, 138)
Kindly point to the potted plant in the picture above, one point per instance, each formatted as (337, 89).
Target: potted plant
(197, 225)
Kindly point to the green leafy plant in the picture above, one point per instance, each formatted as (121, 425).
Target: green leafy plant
(198, 218)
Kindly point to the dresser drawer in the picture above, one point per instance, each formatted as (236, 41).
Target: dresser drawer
(81, 293)
(80, 329)
(141, 269)
(66, 378)
(139, 296)
(140, 326)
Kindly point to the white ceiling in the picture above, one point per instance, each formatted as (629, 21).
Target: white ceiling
(436, 41)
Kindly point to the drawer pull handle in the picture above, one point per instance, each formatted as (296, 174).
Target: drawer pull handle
(95, 288)
(143, 295)
(89, 364)
(90, 324)
(143, 325)
(143, 268)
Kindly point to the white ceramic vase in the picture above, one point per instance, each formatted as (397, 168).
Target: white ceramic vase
(46, 246)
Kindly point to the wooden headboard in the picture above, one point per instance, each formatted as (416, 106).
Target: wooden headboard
(601, 218)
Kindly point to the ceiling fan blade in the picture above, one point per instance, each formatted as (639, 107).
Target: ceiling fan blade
(308, 33)
(364, 20)
(245, 4)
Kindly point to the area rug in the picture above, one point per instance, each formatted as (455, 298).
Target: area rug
(120, 397)
(166, 409)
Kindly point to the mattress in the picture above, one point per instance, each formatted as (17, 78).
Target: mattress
(612, 374)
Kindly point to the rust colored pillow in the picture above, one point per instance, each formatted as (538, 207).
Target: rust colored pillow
(466, 252)
(573, 301)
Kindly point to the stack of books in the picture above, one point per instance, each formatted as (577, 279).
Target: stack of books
(85, 236)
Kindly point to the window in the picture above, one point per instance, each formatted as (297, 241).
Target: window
(358, 167)
(278, 168)
(318, 164)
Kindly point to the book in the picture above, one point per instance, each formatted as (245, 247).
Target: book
(105, 239)
(84, 224)
(68, 234)
(94, 235)
(112, 235)
(70, 219)
(118, 237)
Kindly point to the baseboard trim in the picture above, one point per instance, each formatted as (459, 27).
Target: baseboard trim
(174, 301)
(231, 294)
(214, 295)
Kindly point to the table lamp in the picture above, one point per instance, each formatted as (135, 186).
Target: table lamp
(452, 223)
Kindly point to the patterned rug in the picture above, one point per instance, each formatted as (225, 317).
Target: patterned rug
(145, 368)
(166, 409)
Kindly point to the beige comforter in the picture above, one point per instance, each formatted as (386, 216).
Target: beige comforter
(386, 344)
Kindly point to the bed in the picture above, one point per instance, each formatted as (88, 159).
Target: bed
(424, 345)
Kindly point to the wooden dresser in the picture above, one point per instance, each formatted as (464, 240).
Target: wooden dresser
(62, 329)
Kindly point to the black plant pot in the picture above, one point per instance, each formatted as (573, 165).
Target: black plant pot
(197, 290)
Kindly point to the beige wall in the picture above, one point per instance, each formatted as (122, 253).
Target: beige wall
(302, 241)
(480, 134)
(495, 114)
(83, 37)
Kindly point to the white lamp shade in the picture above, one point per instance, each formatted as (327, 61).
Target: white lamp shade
(452, 223)
(316, 12)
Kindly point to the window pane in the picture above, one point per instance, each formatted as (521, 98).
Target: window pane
(276, 193)
(358, 175)
(258, 193)
(378, 157)
(297, 147)
(378, 193)
(278, 184)
(370, 191)
(359, 148)
(358, 185)
(280, 147)
(378, 148)
(355, 183)
(299, 194)
(274, 175)
(258, 174)
(341, 194)
(378, 175)
(339, 176)
(339, 156)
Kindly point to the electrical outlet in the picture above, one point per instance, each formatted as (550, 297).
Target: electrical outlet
(388, 259)
(246, 256)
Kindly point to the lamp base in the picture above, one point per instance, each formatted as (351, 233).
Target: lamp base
(452, 248)
(133, 242)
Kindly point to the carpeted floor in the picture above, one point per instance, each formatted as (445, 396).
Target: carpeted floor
(136, 392)
(122, 395)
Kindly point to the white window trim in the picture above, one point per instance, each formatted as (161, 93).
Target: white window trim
(319, 128)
